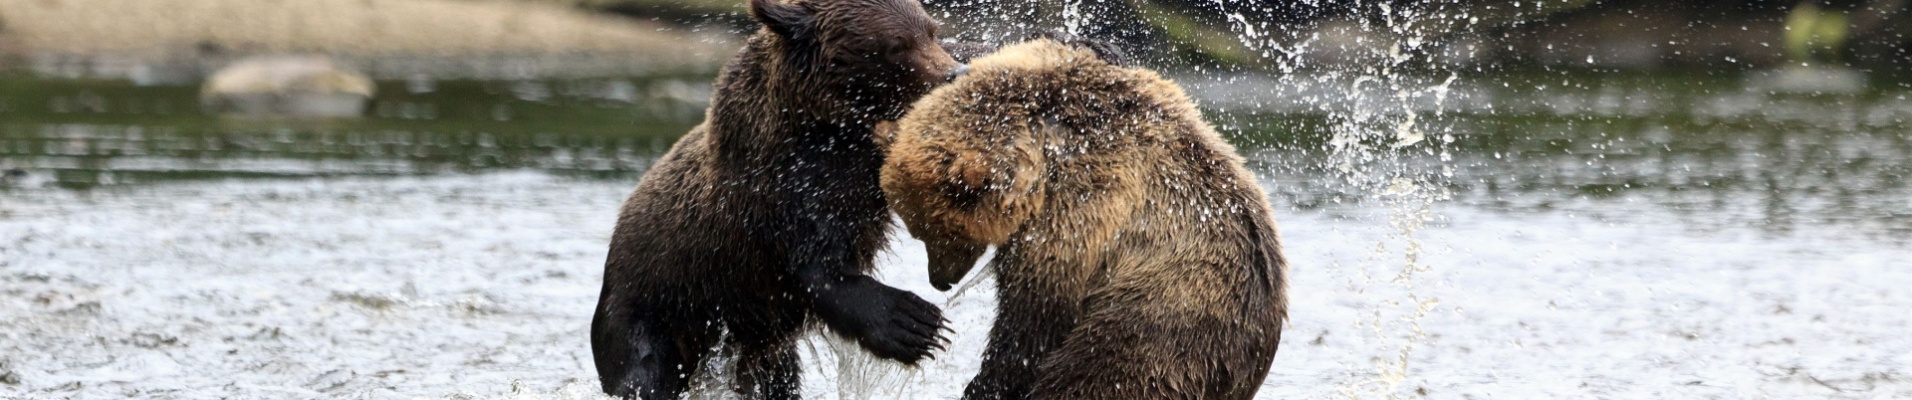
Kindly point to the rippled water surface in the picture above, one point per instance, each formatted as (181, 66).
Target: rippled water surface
(1607, 236)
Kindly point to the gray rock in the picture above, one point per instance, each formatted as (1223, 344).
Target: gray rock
(17, 177)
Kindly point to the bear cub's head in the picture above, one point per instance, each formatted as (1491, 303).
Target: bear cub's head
(878, 52)
(971, 162)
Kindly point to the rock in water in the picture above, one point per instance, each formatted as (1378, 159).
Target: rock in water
(296, 86)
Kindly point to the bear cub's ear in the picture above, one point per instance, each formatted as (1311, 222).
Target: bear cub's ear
(790, 20)
(884, 134)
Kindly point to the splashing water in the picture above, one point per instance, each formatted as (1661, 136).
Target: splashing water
(1377, 133)
(1072, 17)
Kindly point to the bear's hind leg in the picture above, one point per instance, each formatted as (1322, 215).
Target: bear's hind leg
(768, 372)
(763, 339)
(1138, 343)
(657, 360)
(1127, 360)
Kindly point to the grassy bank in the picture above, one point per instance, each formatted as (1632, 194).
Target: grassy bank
(34, 31)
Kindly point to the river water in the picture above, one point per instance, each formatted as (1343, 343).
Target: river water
(1597, 235)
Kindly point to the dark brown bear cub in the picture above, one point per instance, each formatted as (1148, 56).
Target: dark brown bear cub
(1136, 258)
(769, 212)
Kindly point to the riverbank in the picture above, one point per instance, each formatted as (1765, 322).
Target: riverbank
(182, 40)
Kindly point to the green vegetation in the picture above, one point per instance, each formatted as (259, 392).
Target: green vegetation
(1812, 31)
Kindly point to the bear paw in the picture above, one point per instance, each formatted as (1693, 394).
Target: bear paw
(889, 322)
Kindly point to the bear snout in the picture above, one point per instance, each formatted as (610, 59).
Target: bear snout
(958, 72)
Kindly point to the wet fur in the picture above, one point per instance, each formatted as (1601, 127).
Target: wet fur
(769, 212)
(1137, 258)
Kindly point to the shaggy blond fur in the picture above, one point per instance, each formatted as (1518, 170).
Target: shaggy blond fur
(1137, 258)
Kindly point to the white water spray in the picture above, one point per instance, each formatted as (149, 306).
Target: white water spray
(1072, 17)
(1377, 125)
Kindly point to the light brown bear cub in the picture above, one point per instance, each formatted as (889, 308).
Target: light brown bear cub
(1136, 258)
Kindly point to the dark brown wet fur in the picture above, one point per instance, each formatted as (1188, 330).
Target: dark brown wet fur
(769, 213)
(1137, 258)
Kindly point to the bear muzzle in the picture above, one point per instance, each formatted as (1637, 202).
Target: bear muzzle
(951, 260)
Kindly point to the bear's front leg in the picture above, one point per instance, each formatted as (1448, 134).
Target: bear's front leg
(1029, 324)
(837, 221)
(889, 322)
(1038, 303)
